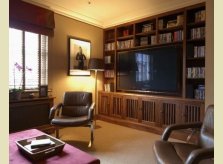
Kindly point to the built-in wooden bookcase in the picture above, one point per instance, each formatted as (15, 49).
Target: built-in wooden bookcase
(184, 27)
(181, 28)
(109, 59)
(195, 53)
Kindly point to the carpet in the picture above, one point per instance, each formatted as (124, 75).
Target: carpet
(113, 144)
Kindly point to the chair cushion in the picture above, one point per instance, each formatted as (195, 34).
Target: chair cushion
(70, 121)
(171, 152)
(75, 111)
(77, 99)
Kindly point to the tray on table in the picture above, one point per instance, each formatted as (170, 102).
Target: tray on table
(43, 152)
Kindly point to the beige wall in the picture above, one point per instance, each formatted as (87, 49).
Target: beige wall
(209, 61)
(59, 81)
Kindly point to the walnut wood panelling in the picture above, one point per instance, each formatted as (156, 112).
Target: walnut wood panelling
(193, 113)
(169, 113)
(116, 109)
(149, 111)
(104, 104)
(131, 108)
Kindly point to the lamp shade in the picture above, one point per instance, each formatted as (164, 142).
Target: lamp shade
(96, 64)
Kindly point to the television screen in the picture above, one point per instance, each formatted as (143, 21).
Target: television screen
(156, 70)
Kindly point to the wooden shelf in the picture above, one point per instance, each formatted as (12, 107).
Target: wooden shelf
(125, 37)
(196, 24)
(195, 59)
(110, 51)
(196, 40)
(146, 33)
(110, 40)
(170, 29)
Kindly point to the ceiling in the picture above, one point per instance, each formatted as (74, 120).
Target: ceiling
(105, 13)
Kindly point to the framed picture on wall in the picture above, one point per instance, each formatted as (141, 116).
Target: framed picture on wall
(79, 51)
(43, 91)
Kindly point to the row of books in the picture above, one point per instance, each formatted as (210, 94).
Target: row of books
(195, 72)
(107, 59)
(165, 38)
(199, 93)
(178, 35)
(110, 46)
(200, 16)
(109, 73)
(109, 87)
(199, 51)
(198, 33)
(125, 44)
(145, 40)
(171, 37)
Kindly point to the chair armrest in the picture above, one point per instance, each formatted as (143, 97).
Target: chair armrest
(91, 110)
(200, 154)
(170, 128)
(53, 110)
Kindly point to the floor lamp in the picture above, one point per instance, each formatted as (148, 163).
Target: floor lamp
(96, 65)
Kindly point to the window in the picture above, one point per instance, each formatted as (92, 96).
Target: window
(28, 59)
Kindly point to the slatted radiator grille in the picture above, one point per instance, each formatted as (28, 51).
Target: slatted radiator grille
(148, 111)
(169, 116)
(104, 105)
(117, 106)
(132, 108)
(192, 113)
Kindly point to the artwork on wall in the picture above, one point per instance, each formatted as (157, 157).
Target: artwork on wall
(78, 56)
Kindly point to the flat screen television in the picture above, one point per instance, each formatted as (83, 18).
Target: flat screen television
(155, 70)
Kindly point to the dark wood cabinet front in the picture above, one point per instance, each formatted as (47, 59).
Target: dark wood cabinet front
(29, 113)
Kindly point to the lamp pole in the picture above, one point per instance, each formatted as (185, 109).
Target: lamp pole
(96, 64)
(96, 106)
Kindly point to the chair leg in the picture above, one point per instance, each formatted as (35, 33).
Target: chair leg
(57, 133)
(92, 135)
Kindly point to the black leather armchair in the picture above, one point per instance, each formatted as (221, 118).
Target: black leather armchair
(75, 110)
(177, 153)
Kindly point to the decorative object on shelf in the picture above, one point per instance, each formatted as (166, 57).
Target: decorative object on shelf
(200, 16)
(96, 65)
(171, 23)
(147, 27)
(160, 24)
(43, 91)
(180, 20)
(79, 55)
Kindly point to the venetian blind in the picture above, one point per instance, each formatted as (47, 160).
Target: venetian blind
(15, 58)
(29, 52)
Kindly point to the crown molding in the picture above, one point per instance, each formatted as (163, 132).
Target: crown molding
(127, 17)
